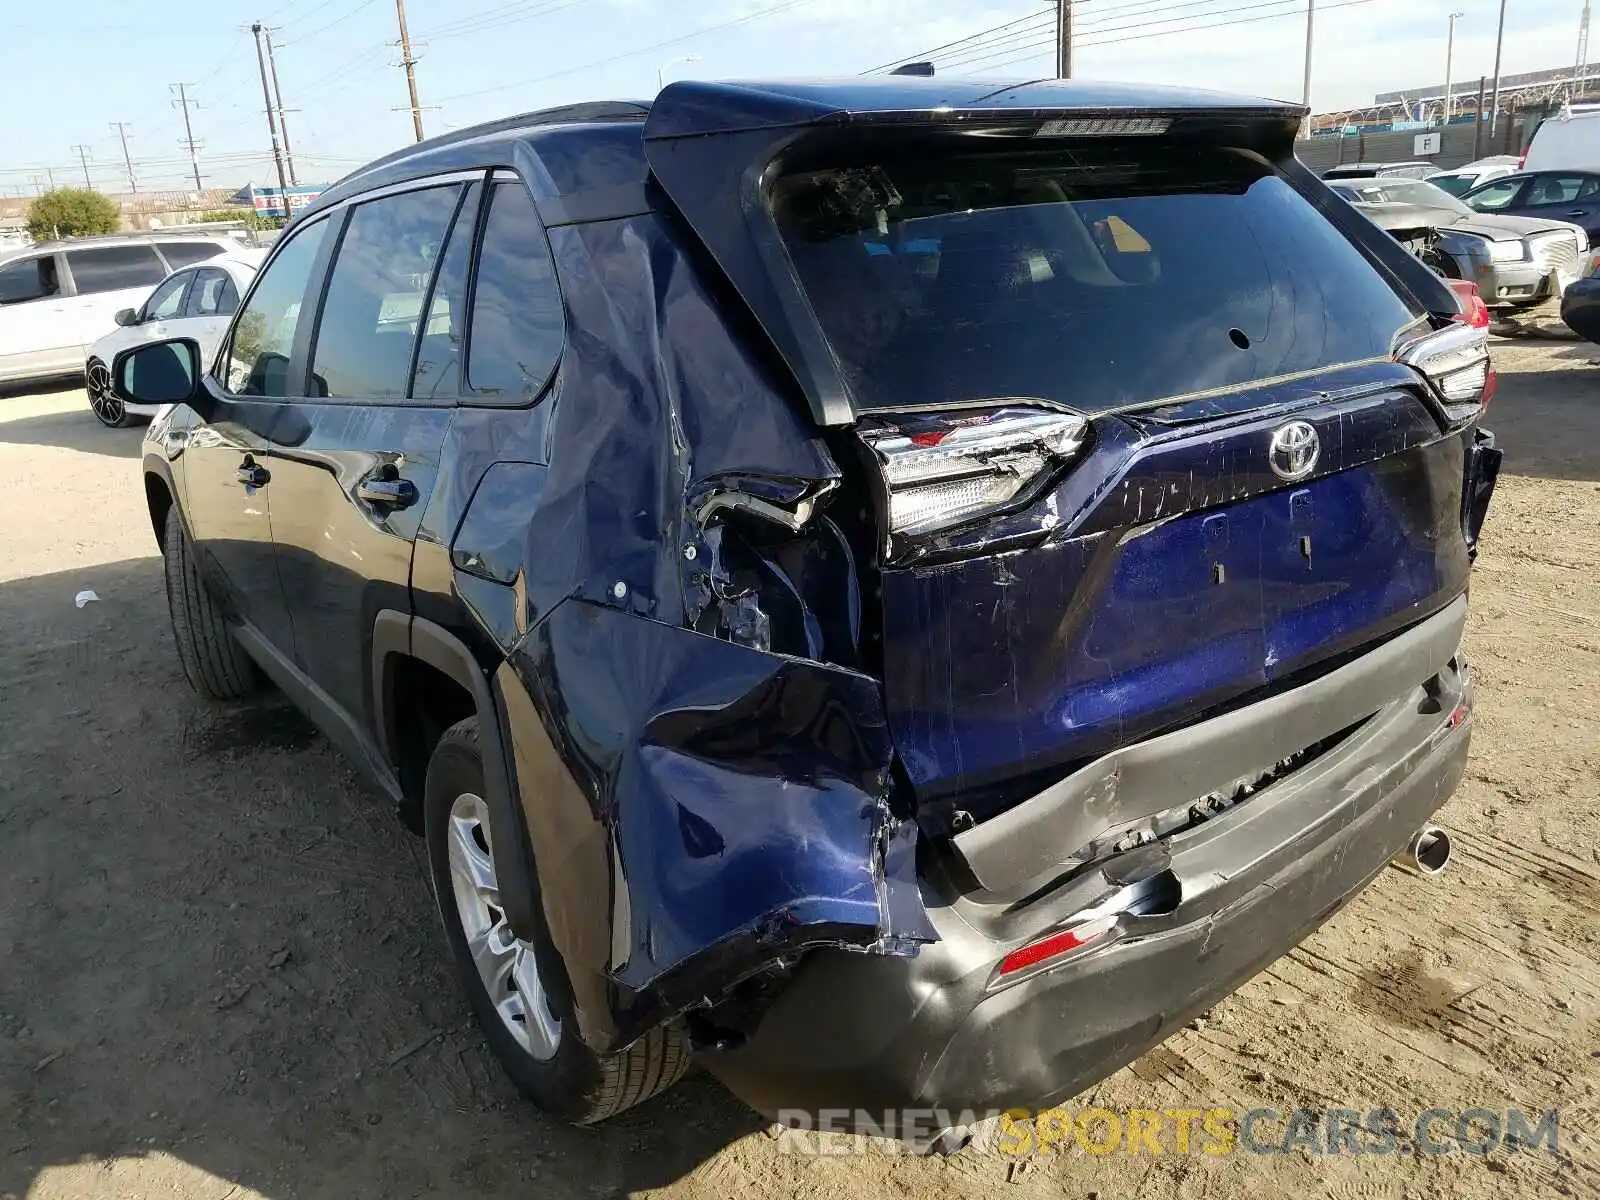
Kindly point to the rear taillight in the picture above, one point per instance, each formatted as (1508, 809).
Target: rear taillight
(940, 470)
(1473, 310)
(1455, 360)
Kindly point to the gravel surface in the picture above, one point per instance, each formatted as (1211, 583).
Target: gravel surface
(221, 975)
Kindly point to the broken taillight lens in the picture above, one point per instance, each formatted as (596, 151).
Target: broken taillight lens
(1455, 360)
(1473, 310)
(943, 469)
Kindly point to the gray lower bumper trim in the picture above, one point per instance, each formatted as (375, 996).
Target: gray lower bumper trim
(1149, 778)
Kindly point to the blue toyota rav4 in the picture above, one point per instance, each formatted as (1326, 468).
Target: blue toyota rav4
(902, 590)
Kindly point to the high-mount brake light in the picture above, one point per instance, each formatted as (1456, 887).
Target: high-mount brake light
(1105, 127)
(1455, 360)
(944, 469)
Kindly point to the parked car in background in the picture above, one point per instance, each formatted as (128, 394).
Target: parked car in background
(58, 297)
(1559, 195)
(1513, 260)
(1568, 142)
(1474, 174)
(1580, 303)
(1394, 170)
(912, 611)
(194, 302)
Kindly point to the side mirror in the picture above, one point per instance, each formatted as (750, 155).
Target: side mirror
(128, 316)
(159, 373)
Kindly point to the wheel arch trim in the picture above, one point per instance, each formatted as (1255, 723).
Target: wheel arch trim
(397, 635)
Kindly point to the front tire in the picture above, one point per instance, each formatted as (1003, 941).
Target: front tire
(104, 402)
(214, 662)
(516, 989)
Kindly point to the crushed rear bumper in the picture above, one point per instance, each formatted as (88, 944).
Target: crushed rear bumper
(877, 1035)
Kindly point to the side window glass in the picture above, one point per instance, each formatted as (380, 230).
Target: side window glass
(183, 254)
(1495, 195)
(114, 268)
(166, 301)
(1555, 189)
(444, 332)
(256, 362)
(517, 326)
(28, 279)
(373, 308)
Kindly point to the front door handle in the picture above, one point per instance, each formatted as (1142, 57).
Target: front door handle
(252, 474)
(1578, 212)
(389, 493)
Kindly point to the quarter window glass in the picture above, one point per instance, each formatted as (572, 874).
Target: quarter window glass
(166, 301)
(113, 268)
(28, 279)
(444, 332)
(1496, 195)
(257, 359)
(1555, 189)
(214, 295)
(517, 328)
(183, 254)
(374, 303)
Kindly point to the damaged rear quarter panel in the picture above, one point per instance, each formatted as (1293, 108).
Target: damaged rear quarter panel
(740, 797)
(698, 810)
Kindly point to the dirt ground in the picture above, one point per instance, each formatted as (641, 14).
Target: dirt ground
(221, 976)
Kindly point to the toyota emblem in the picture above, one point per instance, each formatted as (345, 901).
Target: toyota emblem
(1294, 450)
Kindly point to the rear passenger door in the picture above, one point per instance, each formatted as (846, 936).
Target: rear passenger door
(37, 336)
(106, 279)
(353, 456)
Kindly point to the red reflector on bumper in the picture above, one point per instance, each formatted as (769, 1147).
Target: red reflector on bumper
(1055, 945)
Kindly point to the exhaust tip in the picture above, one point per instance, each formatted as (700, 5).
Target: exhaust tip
(1428, 852)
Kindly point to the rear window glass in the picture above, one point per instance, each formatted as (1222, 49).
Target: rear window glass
(1108, 276)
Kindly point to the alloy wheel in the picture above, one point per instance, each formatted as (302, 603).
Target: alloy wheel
(506, 965)
(103, 399)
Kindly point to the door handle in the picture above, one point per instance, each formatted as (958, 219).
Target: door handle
(389, 493)
(252, 474)
(1578, 212)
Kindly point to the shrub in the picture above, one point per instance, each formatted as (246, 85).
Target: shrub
(72, 212)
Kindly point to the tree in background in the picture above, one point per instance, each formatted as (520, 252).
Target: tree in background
(72, 212)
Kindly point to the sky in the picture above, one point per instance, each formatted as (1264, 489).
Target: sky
(64, 79)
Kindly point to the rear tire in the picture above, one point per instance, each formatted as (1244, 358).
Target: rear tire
(518, 990)
(214, 662)
(104, 402)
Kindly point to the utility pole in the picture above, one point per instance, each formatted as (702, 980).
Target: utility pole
(188, 143)
(83, 157)
(1063, 39)
(1494, 104)
(1477, 126)
(1580, 71)
(1449, 56)
(122, 131)
(1305, 86)
(272, 123)
(410, 64)
(277, 96)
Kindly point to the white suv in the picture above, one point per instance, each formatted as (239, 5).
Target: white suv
(56, 298)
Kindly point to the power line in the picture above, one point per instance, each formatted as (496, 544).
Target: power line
(321, 29)
(490, 19)
(654, 46)
(1041, 52)
(925, 54)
